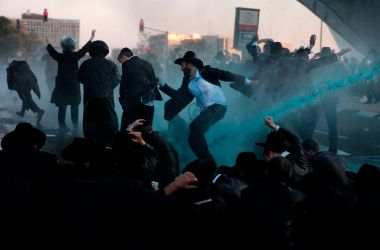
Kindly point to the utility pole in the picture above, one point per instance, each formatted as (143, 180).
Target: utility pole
(320, 36)
(143, 35)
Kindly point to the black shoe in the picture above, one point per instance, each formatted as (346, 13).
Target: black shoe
(39, 115)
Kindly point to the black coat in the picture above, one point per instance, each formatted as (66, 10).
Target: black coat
(182, 97)
(138, 83)
(179, 98)
(300, 163)
(99, 77)
(67, 89)
(21, 78)
(167, 167)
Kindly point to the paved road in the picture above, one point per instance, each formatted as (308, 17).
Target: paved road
(358, 128)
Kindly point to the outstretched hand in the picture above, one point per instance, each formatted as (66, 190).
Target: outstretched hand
(254, 83)
(183, 181)
(134, 124)
(269, 122)
(92, 34)
(313, 38)
(160, 82)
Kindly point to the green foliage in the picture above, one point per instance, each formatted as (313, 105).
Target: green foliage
(12, 40)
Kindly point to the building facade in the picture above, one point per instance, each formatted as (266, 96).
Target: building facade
(52, 30)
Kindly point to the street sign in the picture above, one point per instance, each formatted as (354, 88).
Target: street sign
(246, 26)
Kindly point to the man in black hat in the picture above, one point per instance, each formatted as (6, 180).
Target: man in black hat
(21, 153)
(204, 85)
(138, 89)
(181, 97)
(99, 77)
(283, 143)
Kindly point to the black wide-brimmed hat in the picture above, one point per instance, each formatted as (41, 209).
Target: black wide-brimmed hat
(275, 142)
(194, 61)
(276, 49)
(325, 51)
(24, 134)
(82, 149)
(188, 54)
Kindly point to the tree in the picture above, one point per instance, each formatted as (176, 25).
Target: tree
(13, 40)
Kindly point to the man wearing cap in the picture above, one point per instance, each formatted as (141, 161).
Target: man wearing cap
(204, 85)
(138, 89)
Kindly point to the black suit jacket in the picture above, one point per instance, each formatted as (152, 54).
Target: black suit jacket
(138, 82)
(182, 97)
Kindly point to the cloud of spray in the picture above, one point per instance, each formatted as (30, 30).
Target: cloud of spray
(228, 138)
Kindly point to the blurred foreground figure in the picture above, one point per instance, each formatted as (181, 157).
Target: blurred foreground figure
(21, 79)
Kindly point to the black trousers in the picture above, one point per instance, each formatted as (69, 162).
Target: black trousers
(27, 102)
(200, 125)
(134, 112)
(62, 115)
(310, 117)
(100, 122)
(329, 110)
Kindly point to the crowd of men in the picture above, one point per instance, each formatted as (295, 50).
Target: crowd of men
(122, 187)
(133, 195)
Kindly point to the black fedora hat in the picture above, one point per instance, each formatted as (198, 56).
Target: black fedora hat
(275, 142)
(82, 149)
(326, 51)
(188, 54)
(194, 61)
(24, 134)
(276, 49)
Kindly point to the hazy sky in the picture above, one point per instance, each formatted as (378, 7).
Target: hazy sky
(116, 21)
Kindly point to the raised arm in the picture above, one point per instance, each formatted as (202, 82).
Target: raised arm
(343, 51)
(312, 40)
(82, 52)
(164, 87)
(224, 75)
(52, 52)
(253, 49)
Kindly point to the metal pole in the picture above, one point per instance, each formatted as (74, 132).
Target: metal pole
(320, 36)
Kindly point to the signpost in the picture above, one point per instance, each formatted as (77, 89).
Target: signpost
(246, 26)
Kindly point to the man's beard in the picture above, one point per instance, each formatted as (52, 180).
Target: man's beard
(186, 72)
